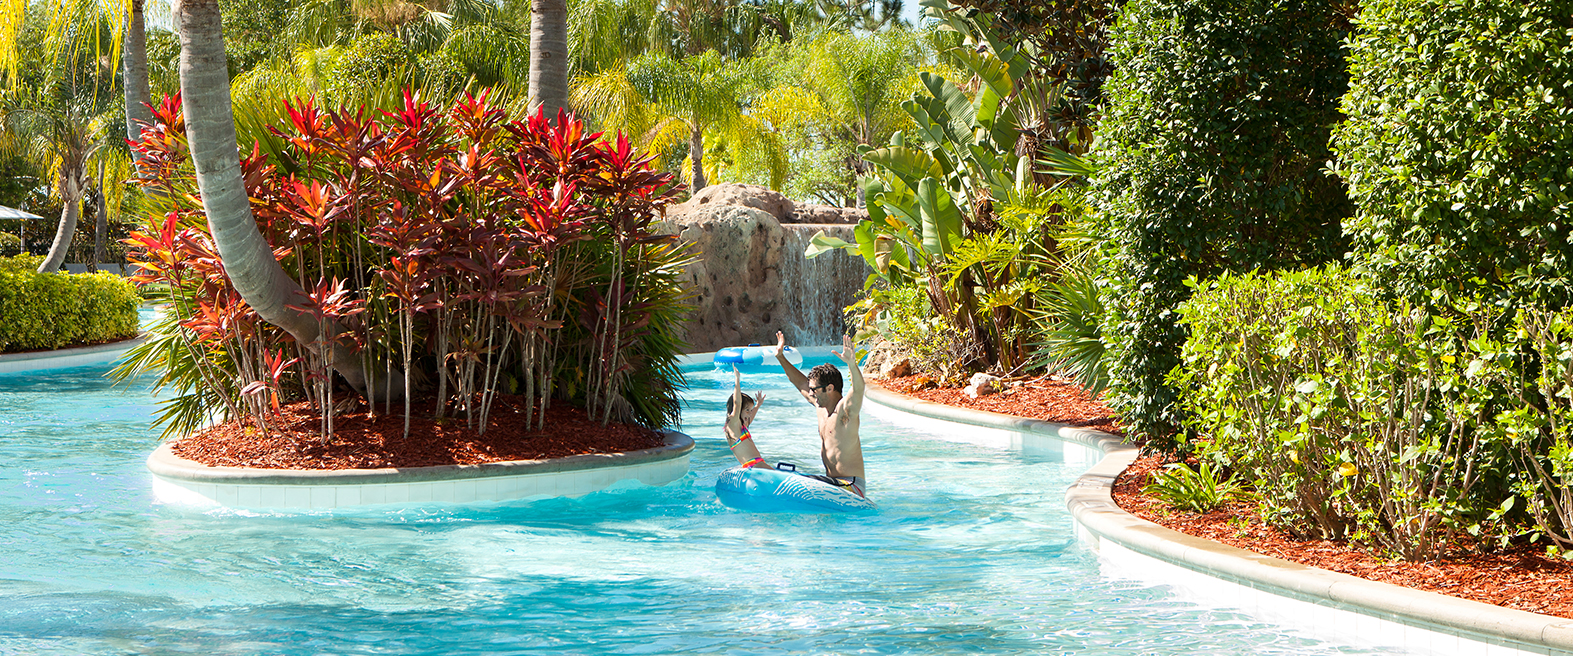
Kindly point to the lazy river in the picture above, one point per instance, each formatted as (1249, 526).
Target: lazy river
(971, 552)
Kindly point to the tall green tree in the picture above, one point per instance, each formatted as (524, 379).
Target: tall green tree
(844, 90)
(671, 101)
(58, 109)
(1212, 155)
(1459, 147)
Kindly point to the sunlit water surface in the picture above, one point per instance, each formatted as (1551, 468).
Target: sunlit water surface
(971, 552)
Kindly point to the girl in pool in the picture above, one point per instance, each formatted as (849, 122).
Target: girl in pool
(740, 412)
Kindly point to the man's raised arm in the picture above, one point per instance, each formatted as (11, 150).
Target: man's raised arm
(798, 379)
(854, 395)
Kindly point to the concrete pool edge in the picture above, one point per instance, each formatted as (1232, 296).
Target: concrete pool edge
(1328, 603)
(79, 356)
(178, 480)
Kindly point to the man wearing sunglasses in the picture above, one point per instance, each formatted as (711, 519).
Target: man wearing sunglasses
(838, 409)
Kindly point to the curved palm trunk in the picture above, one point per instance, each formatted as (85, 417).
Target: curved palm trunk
(548, 56)
(696, 152)
(133, 58)
(71, 194)
(246, 255)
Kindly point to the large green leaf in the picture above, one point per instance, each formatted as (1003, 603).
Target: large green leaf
(1003, 132)
(910, 164)
(865, 233)
(992, 71)
(963, 118)
(903, 206)
(1061, 163)
(996, 79)
(822, 243)
(928, 128)
(941, 219)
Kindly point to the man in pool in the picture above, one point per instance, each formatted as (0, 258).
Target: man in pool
(840, 447)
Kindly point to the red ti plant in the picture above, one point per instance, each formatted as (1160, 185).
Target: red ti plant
(472, 236)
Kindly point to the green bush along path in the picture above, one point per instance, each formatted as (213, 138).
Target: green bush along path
(55, 310)
(1210, 160)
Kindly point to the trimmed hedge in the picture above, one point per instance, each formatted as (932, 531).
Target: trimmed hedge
(1211, 156)
(56, 310)
(1458, 148)
(1359, 418)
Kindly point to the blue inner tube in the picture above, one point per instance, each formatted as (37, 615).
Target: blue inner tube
(756, 489)
(754, 355)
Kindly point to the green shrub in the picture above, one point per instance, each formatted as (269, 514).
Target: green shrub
(9, 244)
(1458, 148)
(1353, 417)
(53, 310)
(369, 61)
(1197, 490)
(21, 262)
(1541, 431)
(1210, 157)
(903, 316)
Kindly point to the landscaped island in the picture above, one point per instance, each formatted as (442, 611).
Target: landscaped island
(449, 285)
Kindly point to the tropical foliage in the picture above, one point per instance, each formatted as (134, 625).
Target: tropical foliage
(956, 212)
(457, 248)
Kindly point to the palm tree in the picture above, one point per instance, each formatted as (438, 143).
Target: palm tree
(857, 82)
(248, 258)
(133, 59)
(60, 134)
(548, 55)
(669, 101)
(57, 115)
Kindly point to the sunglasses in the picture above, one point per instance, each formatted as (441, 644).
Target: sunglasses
(811, 388)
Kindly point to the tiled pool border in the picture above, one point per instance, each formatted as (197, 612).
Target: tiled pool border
(11, 363)
(178, 480)
(1329, 604)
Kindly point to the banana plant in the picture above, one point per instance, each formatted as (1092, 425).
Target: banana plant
(933, 188)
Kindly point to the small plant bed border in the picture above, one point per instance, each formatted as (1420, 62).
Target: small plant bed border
(73, 347)
(1520, 577)
(362, 442)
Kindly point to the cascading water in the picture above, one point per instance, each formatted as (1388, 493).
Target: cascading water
(817, 291)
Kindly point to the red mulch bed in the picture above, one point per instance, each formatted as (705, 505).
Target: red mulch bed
(1044, 397)
(362, 442)
(1520, 577)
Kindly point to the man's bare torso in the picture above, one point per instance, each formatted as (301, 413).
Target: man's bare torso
(840, 448)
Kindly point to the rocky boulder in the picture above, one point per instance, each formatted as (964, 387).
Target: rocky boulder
(752, 279)
(827, 214)
(737, 280)
(737, 194)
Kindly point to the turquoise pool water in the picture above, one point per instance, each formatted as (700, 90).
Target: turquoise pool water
(971, 553)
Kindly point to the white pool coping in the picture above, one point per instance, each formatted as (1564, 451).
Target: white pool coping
(98, 354)
(177, 480)
(1327, 604)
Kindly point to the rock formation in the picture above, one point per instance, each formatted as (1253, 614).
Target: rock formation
(752, 279)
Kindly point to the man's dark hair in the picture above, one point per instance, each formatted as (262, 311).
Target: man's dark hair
(826, 374)
(747, 401)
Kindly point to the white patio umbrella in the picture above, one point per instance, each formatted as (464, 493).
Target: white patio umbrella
(13, 213)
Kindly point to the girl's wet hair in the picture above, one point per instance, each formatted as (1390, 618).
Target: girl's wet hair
(747, 401)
